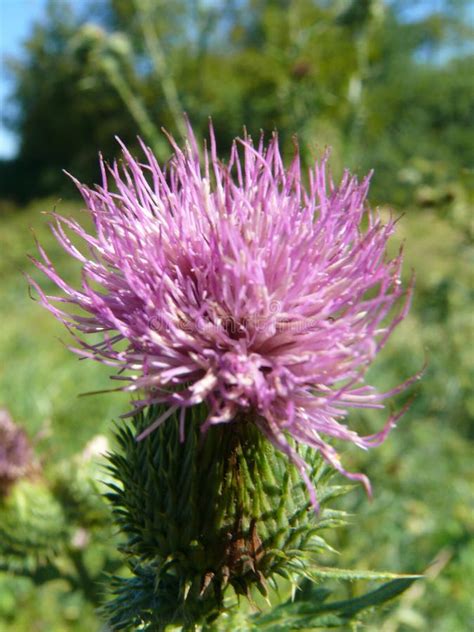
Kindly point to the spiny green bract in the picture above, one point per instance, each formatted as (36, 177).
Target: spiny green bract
(209, 518)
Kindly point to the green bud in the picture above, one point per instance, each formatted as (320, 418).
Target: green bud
(208, 519)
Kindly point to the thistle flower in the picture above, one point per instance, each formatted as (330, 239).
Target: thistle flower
(16, 454)
(238, 286)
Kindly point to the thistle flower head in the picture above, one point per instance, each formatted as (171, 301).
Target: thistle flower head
(16, 453)
(237, 285)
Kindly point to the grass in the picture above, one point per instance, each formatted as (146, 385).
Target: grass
(420, 519)
(40, 380)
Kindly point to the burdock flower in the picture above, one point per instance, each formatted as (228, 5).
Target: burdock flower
(237, 285)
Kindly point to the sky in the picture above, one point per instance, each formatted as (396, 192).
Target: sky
(16, 20)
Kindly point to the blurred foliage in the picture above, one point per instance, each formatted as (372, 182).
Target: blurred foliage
(55, 543)
(388, 85)
(378, 81)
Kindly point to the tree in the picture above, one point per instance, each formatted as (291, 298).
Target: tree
(362, 77)
(62, 115)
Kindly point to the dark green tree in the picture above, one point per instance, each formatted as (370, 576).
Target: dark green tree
(382, 82)
(62, 117)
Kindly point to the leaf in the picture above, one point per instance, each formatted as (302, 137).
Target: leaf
(313, 612)
(322, 572)
(390, 590)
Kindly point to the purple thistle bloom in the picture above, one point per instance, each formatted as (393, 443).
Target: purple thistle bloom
(16, 454)
(236, 285)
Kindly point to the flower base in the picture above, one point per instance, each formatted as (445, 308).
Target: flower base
(208, 518)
